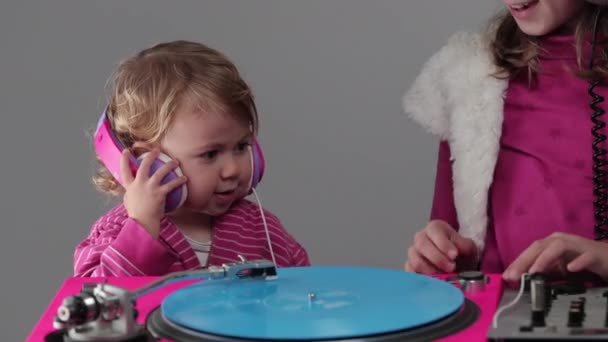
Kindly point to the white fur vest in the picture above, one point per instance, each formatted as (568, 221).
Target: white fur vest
(456, 98)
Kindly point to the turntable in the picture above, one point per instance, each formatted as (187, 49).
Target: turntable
(254, 301)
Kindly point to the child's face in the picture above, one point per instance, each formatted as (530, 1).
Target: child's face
(213, 153)
(540, 17)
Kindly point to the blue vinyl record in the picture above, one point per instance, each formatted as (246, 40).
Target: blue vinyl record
(309, 303)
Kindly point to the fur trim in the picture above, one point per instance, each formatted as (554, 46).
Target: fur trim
(456, 98)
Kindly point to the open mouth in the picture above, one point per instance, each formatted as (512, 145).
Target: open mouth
(522, 6)
(225, 196)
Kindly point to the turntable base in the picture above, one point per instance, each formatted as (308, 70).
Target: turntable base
(303, 304)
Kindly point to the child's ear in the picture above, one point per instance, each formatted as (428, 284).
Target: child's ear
(139, 147)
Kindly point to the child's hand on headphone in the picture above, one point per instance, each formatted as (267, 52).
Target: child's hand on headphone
(438, 248)
(558, 254)
(145, 196)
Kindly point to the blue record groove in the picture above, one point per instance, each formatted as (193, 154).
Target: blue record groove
(319, 302)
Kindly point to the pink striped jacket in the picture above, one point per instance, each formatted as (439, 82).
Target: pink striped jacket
(119, 246)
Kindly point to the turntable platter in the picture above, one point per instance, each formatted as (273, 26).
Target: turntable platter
(312, 303)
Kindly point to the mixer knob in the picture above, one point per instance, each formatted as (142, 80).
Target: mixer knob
(576, 313)
(538, 298)
(471, 281)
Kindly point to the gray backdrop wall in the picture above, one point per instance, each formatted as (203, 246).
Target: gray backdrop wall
(348, 174)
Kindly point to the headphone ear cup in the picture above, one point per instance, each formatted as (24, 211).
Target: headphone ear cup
(258, 164)
(177, 196)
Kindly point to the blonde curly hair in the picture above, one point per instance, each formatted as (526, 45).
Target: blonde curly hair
(147, 88)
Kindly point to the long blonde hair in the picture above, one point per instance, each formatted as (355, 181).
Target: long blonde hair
(514, 51)
(147, 88)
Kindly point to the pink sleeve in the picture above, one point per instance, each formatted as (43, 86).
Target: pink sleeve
(121, 249)
(443, 199)
(299, 256)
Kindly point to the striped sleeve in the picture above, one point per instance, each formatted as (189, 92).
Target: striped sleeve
(119, 246)
(286, 248)
(241, 232)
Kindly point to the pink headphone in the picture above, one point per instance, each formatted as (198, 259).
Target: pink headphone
(109, 149)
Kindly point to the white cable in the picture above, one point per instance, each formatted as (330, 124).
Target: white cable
(265, 226)
(513, 302)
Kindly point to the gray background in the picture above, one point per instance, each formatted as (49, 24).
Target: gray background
(349, 175)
